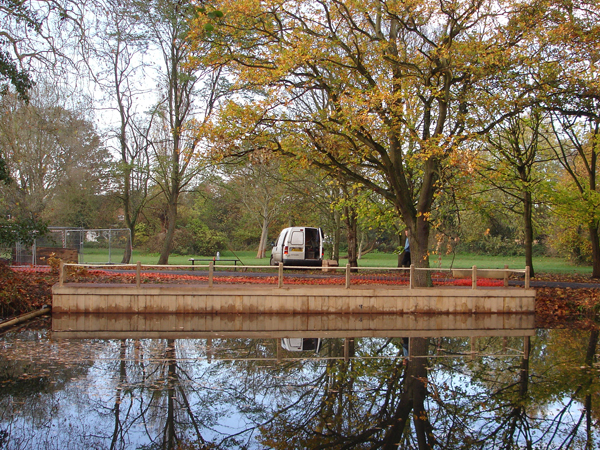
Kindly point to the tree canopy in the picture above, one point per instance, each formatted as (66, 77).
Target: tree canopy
(387, 94)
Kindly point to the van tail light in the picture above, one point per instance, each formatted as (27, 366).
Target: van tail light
(285, 250)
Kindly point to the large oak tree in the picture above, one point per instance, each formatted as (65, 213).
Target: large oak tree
(384, 93)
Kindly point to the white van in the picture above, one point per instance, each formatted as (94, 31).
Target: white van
(298, 246)
(301, 344)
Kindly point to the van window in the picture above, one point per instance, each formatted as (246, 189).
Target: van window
(297, 238)
(282, 238)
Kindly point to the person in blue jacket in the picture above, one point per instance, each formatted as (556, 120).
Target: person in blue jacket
(406, 257)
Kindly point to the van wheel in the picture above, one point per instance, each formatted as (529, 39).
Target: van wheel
(271, 261)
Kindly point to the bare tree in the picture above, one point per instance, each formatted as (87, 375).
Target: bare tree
(114, 50)
(176, 152)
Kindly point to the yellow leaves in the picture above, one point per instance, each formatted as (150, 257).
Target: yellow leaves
(347, 80)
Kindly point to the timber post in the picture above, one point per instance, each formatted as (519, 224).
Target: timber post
(138, 270)
(347, 275)
(280, 275)
(61, 273)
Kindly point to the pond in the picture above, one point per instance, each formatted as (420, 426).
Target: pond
(255, 383)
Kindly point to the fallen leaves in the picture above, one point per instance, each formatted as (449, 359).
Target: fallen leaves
(564, 306)
(30, 288)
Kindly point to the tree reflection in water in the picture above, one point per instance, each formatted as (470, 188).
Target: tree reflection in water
(449, 393)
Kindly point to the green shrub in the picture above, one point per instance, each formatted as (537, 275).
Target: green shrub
(204, 240)
(195, 239)
(498, 246)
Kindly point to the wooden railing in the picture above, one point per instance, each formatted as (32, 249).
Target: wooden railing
(474, 272)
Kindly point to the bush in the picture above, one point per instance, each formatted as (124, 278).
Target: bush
(498, 246)
(196, 239)
(205, 241)
(573, 243)
(142, 234)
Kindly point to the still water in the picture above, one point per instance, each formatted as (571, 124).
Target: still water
(208, 382)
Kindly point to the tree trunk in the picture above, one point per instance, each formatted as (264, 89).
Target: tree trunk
(595, 241)
(351, 225)
(528, 219)
(335, 251)
(419, 246)
(168, 243)
(361, 241)
(127, 253)
(263, 239)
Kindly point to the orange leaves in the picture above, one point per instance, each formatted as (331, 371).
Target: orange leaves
(559, 306)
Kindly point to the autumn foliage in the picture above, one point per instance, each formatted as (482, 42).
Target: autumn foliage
(21, 292)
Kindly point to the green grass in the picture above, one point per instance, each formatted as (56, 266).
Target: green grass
(459, 261)
(464, 261)
(100, 256)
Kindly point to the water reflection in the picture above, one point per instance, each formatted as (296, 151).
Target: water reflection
(485, 389)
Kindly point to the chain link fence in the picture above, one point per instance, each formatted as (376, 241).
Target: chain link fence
(79, 245)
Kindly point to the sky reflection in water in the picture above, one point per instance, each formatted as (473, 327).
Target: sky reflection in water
(478, 388)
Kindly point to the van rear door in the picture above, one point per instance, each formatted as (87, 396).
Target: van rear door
(278, 251)
(296, 244)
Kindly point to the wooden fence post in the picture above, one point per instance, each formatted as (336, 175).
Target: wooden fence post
(61, 273)
(211, 268)
(138, 271)
(474, 278)
(280, 275)
(347, 276)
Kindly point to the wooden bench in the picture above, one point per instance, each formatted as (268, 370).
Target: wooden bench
(216, 261)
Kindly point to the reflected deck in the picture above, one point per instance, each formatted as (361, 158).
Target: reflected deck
(191, 326)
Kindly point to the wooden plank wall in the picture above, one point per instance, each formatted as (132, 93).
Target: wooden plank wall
(243, 299)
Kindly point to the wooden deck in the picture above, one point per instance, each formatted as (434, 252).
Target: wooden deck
(260, 299)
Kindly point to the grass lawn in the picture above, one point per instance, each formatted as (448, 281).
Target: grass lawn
(459, 261)
(464, 261)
